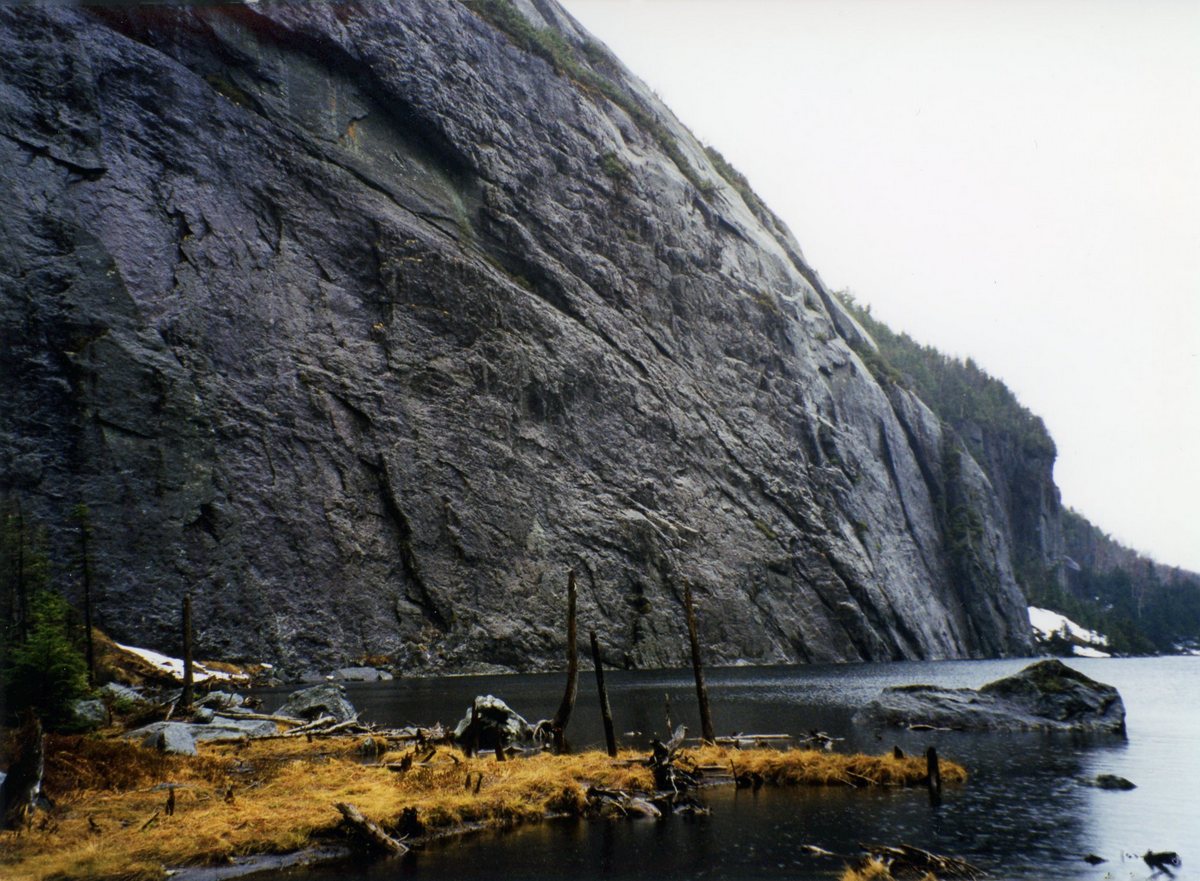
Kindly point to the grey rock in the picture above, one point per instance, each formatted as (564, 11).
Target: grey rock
(221, 700)
(328, 699)
(361, 674)
(90, 713)
(1112, 781)
(1047, 695)
(169, 737)
(203, 715)
(181, 737)
(118, 693)
(497, 723)
(367, 380)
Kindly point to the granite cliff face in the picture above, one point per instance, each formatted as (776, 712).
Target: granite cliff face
(364, 322)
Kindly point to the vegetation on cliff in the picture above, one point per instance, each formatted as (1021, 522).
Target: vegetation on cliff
(1140, 606)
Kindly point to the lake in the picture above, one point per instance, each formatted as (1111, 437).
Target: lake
(1026, 812)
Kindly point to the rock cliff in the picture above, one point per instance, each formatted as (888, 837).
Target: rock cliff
(363, 322)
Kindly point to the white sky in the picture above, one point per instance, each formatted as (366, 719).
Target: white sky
(1014, 181)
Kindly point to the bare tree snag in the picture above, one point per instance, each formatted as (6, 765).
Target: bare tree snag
(186, 700)
(85, 528)
(935, 776)
(610, 737)
(559, 724)
(706, 725)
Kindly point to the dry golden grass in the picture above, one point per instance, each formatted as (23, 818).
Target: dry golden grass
(817, 768)
(284, 792)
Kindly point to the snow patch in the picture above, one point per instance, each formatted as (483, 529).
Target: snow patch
(1086, 651)
(174, 666)
(1047, 623)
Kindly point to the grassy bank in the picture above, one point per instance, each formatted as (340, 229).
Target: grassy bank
(277, 796)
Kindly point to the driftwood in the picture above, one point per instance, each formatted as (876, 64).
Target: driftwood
(369, 830)
(907, 861)
(262, 717)
(740, 741)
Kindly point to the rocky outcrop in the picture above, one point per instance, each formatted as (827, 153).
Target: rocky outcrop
(1047, 695)
(363, 323)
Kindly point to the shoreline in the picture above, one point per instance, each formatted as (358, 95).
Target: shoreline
(263, 801)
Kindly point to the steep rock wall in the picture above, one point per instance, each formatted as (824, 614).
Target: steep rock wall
(362, 323)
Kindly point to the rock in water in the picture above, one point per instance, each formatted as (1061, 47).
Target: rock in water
(362, 322)
(1112, 781)
(1047, 695)
(327, 699)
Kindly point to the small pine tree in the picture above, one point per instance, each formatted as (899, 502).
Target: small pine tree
(46, 671)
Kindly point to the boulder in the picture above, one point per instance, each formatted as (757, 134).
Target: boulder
(221, 700)
(1047, 695)
(167, 737)
(361, 674)
(327, 699)
(122, 694)
(496, 723)
(89, 713)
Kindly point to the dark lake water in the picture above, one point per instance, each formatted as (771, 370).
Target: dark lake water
(1025, 813)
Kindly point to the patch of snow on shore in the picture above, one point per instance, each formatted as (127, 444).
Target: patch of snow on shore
(174, 666)
(1047, 623)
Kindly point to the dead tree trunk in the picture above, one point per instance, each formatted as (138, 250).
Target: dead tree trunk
(563, 716)
(935, 776)
(19, 790)
(610, 737)
(86, 566)
(185, 700)
(706, 725)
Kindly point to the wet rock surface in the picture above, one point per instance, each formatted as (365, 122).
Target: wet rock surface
(1047, 695)
(362, 324)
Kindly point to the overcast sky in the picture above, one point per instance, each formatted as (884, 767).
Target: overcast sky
(1014, 181)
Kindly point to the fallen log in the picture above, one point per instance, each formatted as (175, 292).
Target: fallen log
(262, 717)
(369, 830)
(905, 858)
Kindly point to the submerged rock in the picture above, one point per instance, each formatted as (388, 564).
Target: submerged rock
(1112, 781)
(1047, 695)
(327, 699)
